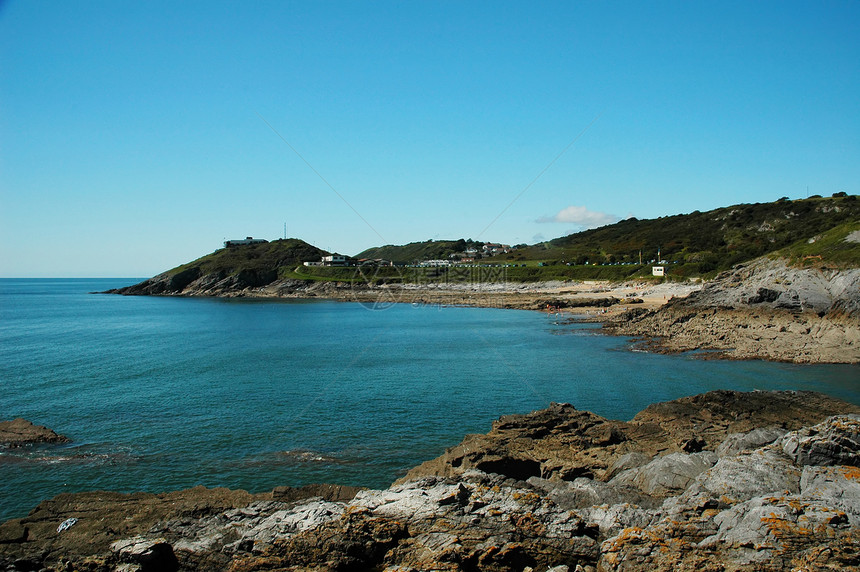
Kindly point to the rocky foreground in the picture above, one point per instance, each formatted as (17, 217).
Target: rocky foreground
(724, 480)
(763, 310)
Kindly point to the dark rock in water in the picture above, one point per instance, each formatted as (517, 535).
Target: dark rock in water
(20, 432)
(775, 486)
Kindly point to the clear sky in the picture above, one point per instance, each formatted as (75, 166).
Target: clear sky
(136, 136)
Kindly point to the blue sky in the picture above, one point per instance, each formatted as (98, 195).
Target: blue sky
(135, 136)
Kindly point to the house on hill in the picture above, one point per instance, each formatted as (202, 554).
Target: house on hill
(331, 260)
(496, 248)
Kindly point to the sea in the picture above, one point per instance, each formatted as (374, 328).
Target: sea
(164, 393)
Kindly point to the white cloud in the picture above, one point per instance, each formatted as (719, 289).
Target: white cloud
(582, 217)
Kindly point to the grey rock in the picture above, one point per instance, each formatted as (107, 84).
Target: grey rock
(736, 443)
(837, 488)
(764, 309)
(834, 442)
(740, 478)
(627, 461)
(762, 508)
(611, 520)
(583, 492)
(776, 284)
(667, 474)
(148, 554)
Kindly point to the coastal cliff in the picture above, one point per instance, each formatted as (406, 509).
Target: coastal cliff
(724, 480)
(767, 309)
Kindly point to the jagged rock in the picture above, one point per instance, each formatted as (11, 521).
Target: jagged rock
(837, 487)
(739, 442)
(20, 432)
(611, 520)
(562, 443)
(478, 521)
(838, 444)
(150, 555)
(739, 478)
(626, 461)
(753, 511)
(325, 491)
(583, 492)
(559, 442)
(666, 475)
(764, 528)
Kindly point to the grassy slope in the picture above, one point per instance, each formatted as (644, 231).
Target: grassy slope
(701, 243)
(414, 251)
(279, 256)
(830, 248)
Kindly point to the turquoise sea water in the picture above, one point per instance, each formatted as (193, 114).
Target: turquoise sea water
(167, 393)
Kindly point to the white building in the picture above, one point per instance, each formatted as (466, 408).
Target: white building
(335, 260)
(242, 241)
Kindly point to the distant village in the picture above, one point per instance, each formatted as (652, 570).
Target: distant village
(468, 257)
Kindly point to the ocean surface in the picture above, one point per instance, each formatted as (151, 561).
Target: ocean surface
(167, 393)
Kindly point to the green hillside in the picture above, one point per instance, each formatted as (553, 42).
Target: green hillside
(415, 251)
(699, 242)
(273, 258)
(838, 247)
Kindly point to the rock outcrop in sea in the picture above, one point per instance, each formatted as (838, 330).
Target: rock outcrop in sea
(724, 480)
(20, 432)
(766, 309)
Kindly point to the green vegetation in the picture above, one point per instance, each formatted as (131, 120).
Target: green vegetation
(415, 251)
(573, 272)
(698, 243)
(838, 247)
(274, 257)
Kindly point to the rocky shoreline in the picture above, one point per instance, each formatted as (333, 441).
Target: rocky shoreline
(723, 480)
(576, 297)
(763, 310)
